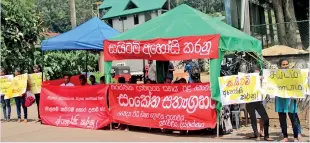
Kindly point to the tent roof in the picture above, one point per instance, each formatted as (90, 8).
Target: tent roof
(278, 50)
(192, 22)
(118, 7)
(88, 36)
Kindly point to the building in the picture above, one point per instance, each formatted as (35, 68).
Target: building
(126, 14)
(123, 15)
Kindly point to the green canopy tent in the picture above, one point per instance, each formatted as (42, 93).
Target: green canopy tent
(187, 21)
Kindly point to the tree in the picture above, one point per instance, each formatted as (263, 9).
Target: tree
(20, 30)
(289, 16)
(301, 12)
(277, 6)
(56, 13)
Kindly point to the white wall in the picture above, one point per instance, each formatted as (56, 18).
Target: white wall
(117, 24)
(141, 18)
(154, 14)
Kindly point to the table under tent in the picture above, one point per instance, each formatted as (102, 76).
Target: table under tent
(87, 36)
(187, 21)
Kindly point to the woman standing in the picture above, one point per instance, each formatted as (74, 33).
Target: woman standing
(6, 104)
(20, 102)
(286, 105)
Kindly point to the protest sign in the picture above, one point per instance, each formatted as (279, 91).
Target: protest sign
(18, 86)
(242, 88)
(179, 106)
(35, 82)
(286, 83)
(5, 83)
(77, 106)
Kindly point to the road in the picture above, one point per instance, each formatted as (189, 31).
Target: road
(35, 132)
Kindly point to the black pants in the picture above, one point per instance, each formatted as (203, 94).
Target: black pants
(20, 102)
(259, 107)
(38, 104)
(282, 118)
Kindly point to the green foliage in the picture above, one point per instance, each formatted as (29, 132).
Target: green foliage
(56, 13)
(58, 63)
(20, 28)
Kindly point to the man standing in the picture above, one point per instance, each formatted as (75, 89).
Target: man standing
(170, 71)
(67, 81)
(83, 80)
(192, 68)
(260, 109)
(92, 80)
(152, 71)
(5, 102)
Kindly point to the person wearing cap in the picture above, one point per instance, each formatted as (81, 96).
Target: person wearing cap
(20, 102)
(6, 104)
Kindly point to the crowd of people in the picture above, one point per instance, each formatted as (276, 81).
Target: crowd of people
(256, 110)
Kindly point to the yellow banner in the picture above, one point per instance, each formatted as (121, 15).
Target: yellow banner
(17, 87)
(35, 82)
(286, 83)
(237, 89)
(5, 83)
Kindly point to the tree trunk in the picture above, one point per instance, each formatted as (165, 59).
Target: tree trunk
(301, 13)
(72, 13)
(277, 6)
(291, 28)
(271, 32)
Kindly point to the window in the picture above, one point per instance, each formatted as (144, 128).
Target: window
(130, 5)
(110, 22)
(121, 18)
(147, 16)
(136, 19)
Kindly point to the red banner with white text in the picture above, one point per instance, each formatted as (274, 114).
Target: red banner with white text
(179, 107)
(77, 106)
(179, 48)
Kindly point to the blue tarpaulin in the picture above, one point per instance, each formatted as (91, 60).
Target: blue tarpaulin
(88, 36)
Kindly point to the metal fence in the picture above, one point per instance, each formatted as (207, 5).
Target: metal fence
(292, 34)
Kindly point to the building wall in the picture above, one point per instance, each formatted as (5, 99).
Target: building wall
(135, 65)
(129, 22)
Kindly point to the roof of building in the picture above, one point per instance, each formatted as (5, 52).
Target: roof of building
(278, 50)
(119, 7)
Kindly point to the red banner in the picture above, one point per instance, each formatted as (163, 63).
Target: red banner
(179, 107)
(78, 106)
(180, 48)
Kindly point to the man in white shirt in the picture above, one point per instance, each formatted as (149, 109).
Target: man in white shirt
(67, 81)
(152, 71)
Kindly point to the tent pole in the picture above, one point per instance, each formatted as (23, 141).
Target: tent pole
(86, 62)
(144, 71)
(218, 128)
(42, 65)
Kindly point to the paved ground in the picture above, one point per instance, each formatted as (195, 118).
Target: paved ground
(35, 132)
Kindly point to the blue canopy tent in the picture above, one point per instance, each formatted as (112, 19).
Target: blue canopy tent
(88, 36)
